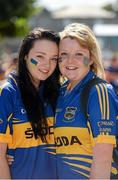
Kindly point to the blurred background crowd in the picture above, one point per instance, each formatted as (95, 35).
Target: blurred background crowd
(19, 17)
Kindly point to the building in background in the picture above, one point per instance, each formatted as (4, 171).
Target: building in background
(103, 23)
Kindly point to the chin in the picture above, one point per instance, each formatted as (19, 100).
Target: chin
(72, 78)
(44, 78)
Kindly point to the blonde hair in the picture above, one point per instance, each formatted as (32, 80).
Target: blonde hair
(87, 39)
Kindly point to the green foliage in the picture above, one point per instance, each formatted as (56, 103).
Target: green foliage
(13, 16)
(108, 7)
(21, 27)
(112, 7)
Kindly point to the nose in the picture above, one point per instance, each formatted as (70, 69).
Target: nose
(70, 59)
(46, 63)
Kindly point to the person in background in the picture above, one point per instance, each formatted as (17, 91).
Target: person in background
(84, 146)
(111, 72)
(2, 73)
(7, 65)
(27, 105)
(12, 64)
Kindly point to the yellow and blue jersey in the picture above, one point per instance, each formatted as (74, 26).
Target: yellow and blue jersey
(76, 136)
(33, 159)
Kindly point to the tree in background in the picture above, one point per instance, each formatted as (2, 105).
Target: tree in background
(14, 15)
(113, 7)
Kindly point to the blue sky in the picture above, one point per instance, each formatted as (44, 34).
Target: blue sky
(55, 4)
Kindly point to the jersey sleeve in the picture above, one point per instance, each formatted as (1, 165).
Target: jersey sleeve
(102, 112)
(6, 112)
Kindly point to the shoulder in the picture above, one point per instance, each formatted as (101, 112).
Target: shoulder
(10, 85)
(103, 93)
(102, 88)
(8, 90)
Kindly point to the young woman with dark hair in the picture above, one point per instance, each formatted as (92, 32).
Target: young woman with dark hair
(27, 105)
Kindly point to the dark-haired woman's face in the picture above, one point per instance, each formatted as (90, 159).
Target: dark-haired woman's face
(42, 60)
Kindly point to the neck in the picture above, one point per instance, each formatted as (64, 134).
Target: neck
(36, 83)
(72, 85)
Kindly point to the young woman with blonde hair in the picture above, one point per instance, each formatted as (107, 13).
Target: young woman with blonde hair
(84, 146)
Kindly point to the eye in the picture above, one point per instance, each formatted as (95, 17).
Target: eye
(40, 56)
(60, 59)
(63, 54)
(54, 59)
(79, 54)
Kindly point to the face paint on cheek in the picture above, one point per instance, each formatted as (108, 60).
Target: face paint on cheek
(34, 61)
(86, 61)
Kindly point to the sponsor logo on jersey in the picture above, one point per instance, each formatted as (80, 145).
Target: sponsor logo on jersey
(70, 113)
(30, 134)
(65, 141)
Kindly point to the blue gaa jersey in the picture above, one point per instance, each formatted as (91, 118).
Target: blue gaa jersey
(75, 136)
(32, 158)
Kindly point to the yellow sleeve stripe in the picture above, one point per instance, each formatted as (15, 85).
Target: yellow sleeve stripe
(100, 101)
(107, 100)
(103, 100)
(105, 139)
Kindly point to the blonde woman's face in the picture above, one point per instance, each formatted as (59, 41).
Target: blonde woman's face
(74, 60)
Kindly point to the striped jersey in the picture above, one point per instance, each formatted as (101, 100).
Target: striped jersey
(33, 159)
(75, 136)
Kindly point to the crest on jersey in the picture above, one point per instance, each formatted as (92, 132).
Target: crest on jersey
(70, 113)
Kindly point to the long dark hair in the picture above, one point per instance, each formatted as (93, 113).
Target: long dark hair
(33, 103)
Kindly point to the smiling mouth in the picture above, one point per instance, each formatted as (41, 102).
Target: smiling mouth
(44, 71)
(71, 68)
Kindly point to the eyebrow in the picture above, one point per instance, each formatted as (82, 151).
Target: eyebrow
(63, 51)
(41, 52)
(75, 52)
(45, 53)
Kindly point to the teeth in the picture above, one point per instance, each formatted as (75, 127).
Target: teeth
(71, 68)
